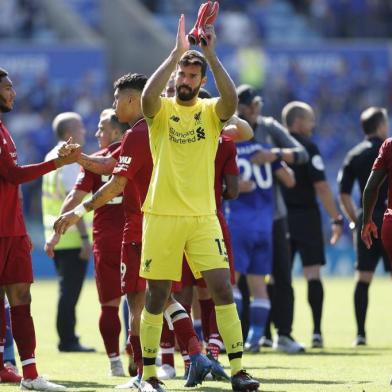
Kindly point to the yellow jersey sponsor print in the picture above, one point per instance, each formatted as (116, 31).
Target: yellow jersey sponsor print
(183, 143)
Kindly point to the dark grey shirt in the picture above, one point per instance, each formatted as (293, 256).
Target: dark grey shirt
(270, 131)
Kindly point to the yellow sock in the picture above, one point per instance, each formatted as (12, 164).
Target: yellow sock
(150, 335)
(229, 327)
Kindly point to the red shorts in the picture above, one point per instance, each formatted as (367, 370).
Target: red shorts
(176, 287)
(187, 276)
(386, 237)
(15, 260)
(131, 282)
(107, 267)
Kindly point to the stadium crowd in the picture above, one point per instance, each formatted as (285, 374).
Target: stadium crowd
(275, 171)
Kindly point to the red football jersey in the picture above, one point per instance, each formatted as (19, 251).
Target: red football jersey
(225, 163)
(135, 163)
(11, 215)
(384, 161)
(108, 223)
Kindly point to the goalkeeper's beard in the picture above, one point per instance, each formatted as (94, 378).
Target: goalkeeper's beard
(189, 95)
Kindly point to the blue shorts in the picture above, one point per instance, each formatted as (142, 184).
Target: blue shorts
(252, 251)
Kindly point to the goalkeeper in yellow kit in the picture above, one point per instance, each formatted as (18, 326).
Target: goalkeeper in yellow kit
(180, 210)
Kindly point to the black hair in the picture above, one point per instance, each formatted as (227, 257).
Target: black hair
(123, 127)
(3, 73)
(372, 118)
(192, 57)
(203, 93)
(131, 81)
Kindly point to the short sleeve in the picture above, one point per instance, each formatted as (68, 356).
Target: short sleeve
(160, 117)
(210, 107)
(84, 181)
(116, 153)
(316, 164)
(383, 159)
(132, 155)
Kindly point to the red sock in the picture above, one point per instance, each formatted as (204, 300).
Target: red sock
(128, 346)
(137, 352)
(2, 332)
(206, 308)
(215, 342)
(24, 336)
(183, 328)
(110, 328)
(188, 309)
(167, 344)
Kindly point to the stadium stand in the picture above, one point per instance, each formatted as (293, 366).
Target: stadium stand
(282, 47)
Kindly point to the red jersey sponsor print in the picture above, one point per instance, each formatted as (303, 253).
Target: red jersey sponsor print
(225, 163)
(384, 161)
(108, 223)
(135, 163)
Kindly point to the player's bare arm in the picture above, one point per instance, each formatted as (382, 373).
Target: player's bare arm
(106, 193)
(238, 129)
(263, 156)
(285, 176)
(231, 187)
(227, 103)
(97, 164)
(324, 193)
(348, 207)
(73, 198)
(151, 96)
(369, 199)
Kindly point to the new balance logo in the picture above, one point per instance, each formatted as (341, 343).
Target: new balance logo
(146, 265)
(175, 118)
(200, 133)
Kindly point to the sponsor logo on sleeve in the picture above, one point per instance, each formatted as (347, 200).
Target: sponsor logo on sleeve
(175, 118)
(124, 162)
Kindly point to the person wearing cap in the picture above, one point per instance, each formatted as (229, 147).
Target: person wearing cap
(288, 149)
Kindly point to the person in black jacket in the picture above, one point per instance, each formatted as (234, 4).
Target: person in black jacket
(286, 148)
(303, 210)
(356, 167)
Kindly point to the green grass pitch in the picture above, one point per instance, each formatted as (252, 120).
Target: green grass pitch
(338, 367)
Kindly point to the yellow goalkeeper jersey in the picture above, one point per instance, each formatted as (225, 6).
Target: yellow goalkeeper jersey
(183, 143)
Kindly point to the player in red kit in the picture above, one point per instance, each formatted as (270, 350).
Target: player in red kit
(108, 225)
(382, 169)
(16, 274)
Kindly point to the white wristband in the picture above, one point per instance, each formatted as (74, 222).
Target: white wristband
(79, 210)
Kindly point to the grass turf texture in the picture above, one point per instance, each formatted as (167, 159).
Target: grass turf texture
(338, 367)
